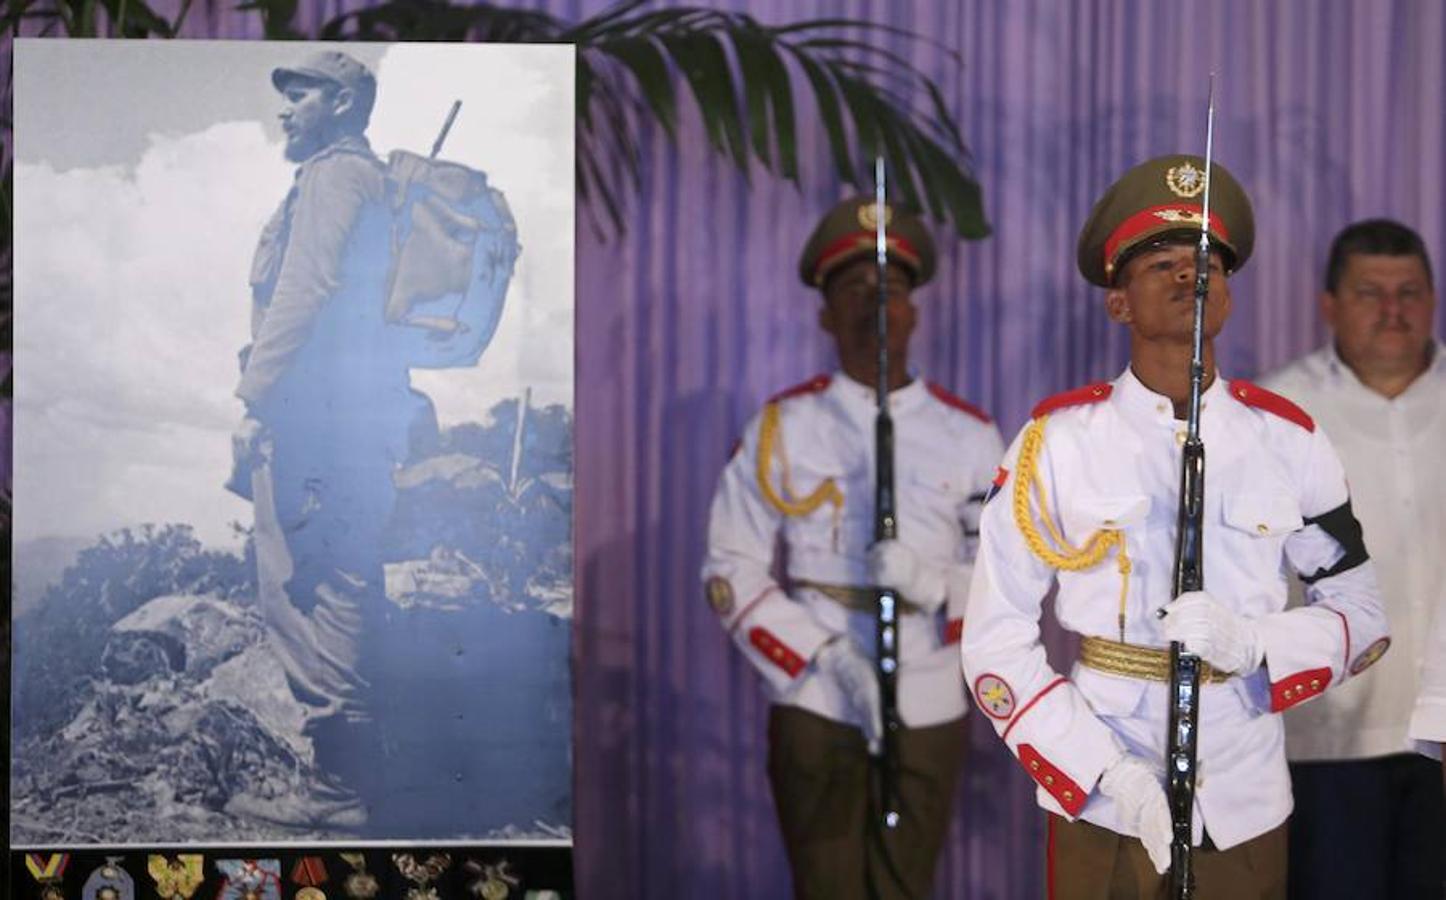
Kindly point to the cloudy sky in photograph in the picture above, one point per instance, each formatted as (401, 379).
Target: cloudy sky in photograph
(144, 172)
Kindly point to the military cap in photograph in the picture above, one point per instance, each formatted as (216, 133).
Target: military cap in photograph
(1159, 199)
(848, 232)
(334, 66)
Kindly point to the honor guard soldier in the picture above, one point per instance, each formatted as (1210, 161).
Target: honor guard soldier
(1087, 504)
(1379, 389)
(804, 471)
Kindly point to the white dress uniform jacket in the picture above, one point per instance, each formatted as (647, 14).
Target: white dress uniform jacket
(945, 454)
(1392, 450)
(1111, 460)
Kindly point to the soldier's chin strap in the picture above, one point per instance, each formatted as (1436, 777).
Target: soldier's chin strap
(1057, 553)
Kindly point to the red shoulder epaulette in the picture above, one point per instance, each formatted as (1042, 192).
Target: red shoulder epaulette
(1258, 397)
(948, 399)
(1080, 396)
(811, 386)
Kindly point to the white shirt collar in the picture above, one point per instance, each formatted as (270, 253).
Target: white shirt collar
(1139, 400)
(857, 395)
(1339, 370)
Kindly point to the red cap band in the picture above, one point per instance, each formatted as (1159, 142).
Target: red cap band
(850, 244)
(1156, 219)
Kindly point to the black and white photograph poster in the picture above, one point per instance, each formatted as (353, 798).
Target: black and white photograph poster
(293, 443)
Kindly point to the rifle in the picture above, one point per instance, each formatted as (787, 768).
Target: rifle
(1189, 571)
(886, 526)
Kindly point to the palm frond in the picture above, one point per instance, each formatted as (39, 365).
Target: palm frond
(740, 74)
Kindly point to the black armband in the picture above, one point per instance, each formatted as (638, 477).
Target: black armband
(1341, 524)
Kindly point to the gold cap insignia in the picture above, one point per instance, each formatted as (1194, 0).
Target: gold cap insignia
(1185, 180)
(869, 216)
(1180, 216)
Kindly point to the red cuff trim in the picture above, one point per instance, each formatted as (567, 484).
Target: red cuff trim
(779, 653)
(1030, 705)
(1301, 686)
(953, 631)
(1055, 783)
(1156, 219)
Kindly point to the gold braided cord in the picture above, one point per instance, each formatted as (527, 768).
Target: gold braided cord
(1057, 553)
(826, 492)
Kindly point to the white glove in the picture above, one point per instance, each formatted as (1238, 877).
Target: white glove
(1218, 635)
(1143, 808)
(894, 565)
(847, 665)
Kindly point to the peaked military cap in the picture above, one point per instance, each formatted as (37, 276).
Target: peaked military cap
(1161, 199)
(847, 232)
(334, 66)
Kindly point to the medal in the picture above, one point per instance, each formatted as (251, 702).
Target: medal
(310, 873)
(360, 884)
(176, 878)
(109, 882)
(492, 882)
(422, 874)
(48, 869)
(249, 879)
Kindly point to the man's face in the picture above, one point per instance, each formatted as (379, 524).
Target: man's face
(308, 117)
(850, 311)
(1155, 295)
(1381, 312)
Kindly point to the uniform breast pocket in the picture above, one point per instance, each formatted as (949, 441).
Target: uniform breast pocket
(931, 482)
(816, 521)
(1263, 515)
(1084, 515)
(1256, 526)
(932, 495)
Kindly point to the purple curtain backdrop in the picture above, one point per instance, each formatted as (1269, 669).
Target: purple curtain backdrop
(1329, 110)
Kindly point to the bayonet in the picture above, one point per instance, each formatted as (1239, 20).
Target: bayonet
(1182, 739)
(886, 613)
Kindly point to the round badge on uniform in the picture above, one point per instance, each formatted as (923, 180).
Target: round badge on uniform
(1370, 655)
(995, 695)
(720, 595)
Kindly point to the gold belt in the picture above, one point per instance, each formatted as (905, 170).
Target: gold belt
(1135, 661)
(854, 597)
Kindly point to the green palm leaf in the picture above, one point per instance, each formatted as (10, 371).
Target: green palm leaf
(739, 73)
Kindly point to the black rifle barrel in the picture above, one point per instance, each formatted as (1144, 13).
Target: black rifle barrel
(886, 526)
(1182, 738)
